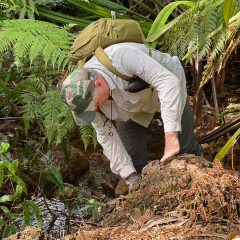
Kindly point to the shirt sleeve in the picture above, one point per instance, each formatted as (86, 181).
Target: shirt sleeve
(120, 161)
(135, 62)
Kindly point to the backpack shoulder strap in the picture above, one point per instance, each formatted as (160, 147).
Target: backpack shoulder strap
(105, 61)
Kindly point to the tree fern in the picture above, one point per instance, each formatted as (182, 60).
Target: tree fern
(202, 27)
(207, 25)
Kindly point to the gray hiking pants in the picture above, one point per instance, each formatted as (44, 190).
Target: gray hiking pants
(135, 137)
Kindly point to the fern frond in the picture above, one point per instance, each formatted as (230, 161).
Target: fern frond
(86, 134)
(66, 123)
(30, 37)
(32, 102)
(219, 44)
(94, 138)
(51, 107)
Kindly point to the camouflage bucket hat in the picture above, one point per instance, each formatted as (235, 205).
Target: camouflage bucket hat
(77, 94)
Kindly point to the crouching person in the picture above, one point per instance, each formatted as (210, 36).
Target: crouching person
(96, 95)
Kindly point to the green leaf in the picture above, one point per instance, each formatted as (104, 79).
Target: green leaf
(6, 231)
(51, 178)
(6, 211)
(13, 230)
(20, 182)
(4, 147)
(230, 143)
(8, 214)
(159, 23)
(15, 164)
(56, 173)
(11, 198)
(9, 166)
(92, 201)
(1, 173)
(227, 9)
(26, 214)
(36, 211)
(1, 222)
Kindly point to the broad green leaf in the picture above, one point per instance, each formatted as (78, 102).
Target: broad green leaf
(9, 166)
(20, 182)
(55, 172)
(164, 14)
(227, 9)
(4, 147)
(15, 164)
(1, 173)
(230, 143)
(36, 211)
(11, 198)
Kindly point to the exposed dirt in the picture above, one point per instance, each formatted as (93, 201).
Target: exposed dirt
(30, 233)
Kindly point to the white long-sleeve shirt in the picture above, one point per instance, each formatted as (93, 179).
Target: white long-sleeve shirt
(163, 72)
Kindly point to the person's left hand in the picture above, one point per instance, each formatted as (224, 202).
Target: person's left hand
(130, 186)
(172, 146)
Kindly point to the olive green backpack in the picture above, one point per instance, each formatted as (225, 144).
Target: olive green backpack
(101, 34)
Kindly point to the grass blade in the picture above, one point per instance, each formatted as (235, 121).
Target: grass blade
(230, 143)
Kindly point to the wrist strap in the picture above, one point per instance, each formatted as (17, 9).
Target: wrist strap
(133, 179)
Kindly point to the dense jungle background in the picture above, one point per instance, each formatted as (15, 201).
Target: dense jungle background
(55, 181)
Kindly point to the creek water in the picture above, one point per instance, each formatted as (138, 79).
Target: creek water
(56, 222)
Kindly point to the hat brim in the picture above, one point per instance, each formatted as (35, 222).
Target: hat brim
(84, 118)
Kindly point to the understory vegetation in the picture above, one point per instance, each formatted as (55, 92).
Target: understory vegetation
(35, 38)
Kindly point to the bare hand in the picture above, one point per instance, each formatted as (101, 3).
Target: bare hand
(130, 187)
(172, 146)
(131, 184)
